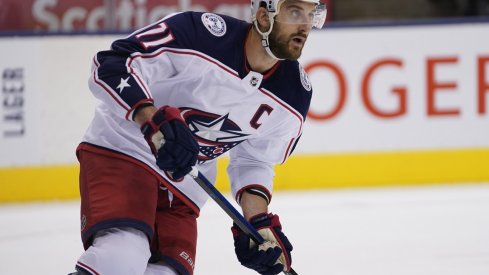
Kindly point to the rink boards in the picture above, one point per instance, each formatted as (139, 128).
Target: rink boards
(397, 105)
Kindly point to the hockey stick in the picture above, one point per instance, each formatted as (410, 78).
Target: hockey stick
(238, 219)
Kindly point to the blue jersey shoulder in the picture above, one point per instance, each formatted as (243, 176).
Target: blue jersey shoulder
(212, 34)
(218, 36)
(290, 83)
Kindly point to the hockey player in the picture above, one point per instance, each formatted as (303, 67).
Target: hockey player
(180, 93)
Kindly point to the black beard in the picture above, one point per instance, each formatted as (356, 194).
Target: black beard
(280, 47)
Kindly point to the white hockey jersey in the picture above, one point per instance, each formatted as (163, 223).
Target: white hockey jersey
(197, 62)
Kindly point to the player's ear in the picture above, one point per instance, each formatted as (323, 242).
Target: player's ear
(263, 19)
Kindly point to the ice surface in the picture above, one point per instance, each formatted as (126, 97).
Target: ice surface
(436, 230)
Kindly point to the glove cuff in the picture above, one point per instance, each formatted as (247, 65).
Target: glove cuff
(260, 218)
(266, 220)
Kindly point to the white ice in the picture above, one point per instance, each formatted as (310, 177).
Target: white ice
(436, 230)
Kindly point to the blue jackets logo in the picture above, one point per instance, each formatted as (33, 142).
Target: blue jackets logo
(216, 134)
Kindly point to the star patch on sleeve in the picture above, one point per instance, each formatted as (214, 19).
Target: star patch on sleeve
(124, 83)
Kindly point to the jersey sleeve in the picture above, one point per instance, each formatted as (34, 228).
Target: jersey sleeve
(252, 162)
(121, 76)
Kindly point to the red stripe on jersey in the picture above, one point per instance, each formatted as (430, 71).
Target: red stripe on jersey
(138, 79)
(268, 73)
(106, 87)
(129, 114)
(164, 50)
(87, 268)
(289, 148)
(291, 110)
(285, 105)
(272, 70)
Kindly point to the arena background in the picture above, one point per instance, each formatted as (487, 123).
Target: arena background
(401, 92)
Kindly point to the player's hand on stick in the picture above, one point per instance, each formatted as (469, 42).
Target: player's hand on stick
(171, 141)
(270, 257)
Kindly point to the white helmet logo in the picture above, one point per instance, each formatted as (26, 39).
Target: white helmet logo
(214, 23)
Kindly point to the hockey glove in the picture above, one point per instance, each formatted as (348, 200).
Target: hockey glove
(269, 258)
(171, 142)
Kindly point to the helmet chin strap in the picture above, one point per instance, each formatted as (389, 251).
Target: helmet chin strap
(264, 37)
